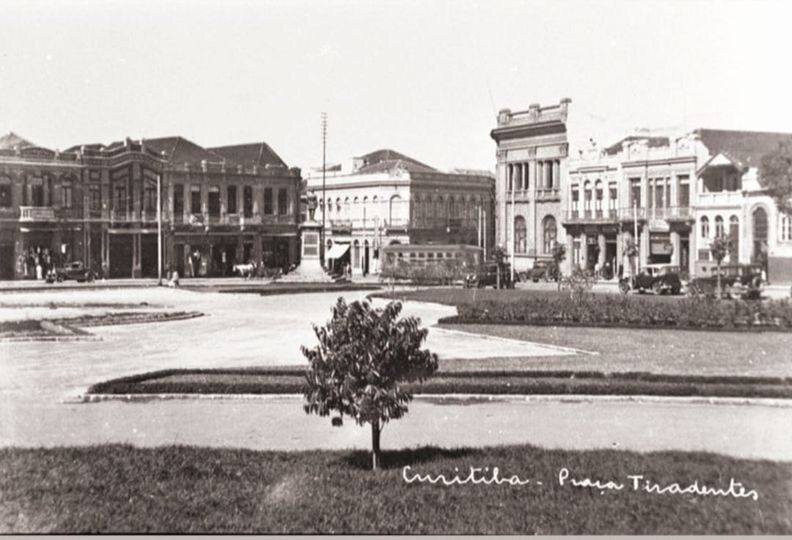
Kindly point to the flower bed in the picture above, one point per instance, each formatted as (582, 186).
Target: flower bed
(631, 311)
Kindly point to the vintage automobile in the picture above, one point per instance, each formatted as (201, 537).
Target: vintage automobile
(543, 270)
(741, 280)
(73, 270)
(658, 278)
(487, 276)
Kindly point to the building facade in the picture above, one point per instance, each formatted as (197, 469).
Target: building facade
(532, 152)
(385, 197)
(668, 194)
(98, 204)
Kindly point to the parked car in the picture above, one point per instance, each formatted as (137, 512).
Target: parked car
(74, 270)
(743, 280)
(544, 270)
(487, 276)
(658, 278)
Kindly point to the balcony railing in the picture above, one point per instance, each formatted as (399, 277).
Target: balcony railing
(36, 213)
(720, 198)
(592, 216)
(548, 194)
(667, 213)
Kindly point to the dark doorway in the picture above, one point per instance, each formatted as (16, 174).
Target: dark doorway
(366, 259)
(148, 255)
(7, 261)
(121, 255)
(178, 258)
(759, 234)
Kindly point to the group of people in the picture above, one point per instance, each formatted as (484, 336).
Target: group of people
(35, 262)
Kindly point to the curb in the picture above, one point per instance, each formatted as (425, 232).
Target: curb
(510, 398)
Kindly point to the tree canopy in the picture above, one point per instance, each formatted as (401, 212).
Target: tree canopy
(776, 173)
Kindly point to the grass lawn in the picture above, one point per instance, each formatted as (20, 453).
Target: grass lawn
(676, 352)
(122, 489)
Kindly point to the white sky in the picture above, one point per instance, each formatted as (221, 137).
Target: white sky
(422, 77)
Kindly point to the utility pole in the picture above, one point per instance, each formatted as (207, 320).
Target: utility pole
(513, 214)
(324, 194)
(159, 230)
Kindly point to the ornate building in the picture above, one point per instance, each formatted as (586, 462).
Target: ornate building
(385, 197)
(532, 151)
(98, 204)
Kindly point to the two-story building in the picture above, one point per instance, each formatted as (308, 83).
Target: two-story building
(98, 204)
(385, 197)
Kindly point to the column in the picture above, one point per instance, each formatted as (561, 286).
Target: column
(644, 259)
(570, 245)
(556, 174)
(583, 250)
(601, 245)
(676, 245)
(620, 239)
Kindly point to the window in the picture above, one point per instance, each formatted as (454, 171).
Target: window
(613, 199)
(575, 201)
(635, 192)
(549, 233)
(268, 201)
(95, 193)
(214, 201)
(786, 227)
(520, 233)
(231, 199)
(150, 197)
(587, 198)
(66, 196)
(247, 201)
(705, 227)
(195, 199)
(6, 197)
(178, 200)
(283, 202)
(718, 226)
(598, 193)
(120, 201)
(660, 188)
(683, 193)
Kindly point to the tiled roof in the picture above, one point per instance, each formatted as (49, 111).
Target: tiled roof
(249, 154)
(745, 147)
(179, 150)
(12, 141)
(386, 159)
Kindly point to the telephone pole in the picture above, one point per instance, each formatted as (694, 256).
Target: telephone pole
(324, 195)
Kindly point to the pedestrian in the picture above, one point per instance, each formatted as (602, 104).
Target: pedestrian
(174, 279)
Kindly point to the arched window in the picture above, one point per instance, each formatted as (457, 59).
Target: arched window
(718, 226)
(520, 235)
(587, 198)
(734, 236)
(705, 227)
(598, 198)
(356, 254)
(395, 209)
(759, 235)
(549, 233)
(338, 206)
(6, 192)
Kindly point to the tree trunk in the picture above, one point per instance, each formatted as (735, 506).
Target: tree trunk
(375, 445)
(719, 281)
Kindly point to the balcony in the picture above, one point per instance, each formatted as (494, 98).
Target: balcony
(592, 216)
(671, 213)
(36, 213)
(548, 194)
(720, 198)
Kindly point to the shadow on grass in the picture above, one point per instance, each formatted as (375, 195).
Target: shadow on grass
(396, 459)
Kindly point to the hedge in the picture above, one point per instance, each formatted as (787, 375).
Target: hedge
(631, 311)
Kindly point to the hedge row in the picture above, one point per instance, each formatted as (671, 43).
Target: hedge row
(631, 311)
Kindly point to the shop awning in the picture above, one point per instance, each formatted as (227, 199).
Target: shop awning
(337, 251)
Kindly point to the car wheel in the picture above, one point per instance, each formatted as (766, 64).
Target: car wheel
(59, 279)
(675, 291)
(657, 288)
(624, 287)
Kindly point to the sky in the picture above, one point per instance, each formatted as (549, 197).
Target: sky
(425, 78)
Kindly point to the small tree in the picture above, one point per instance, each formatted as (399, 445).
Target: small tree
(559, 254)
(719, 247)
(776, 174)
(362, 357)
